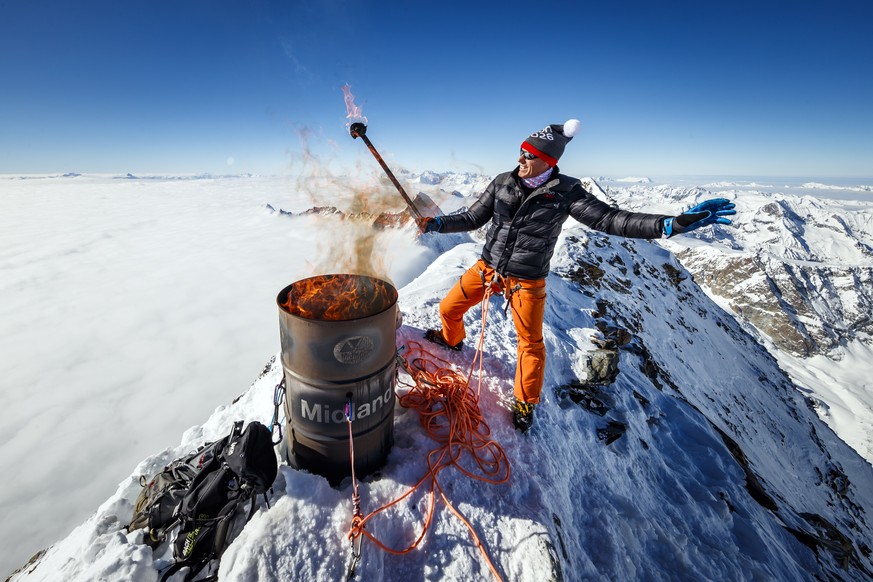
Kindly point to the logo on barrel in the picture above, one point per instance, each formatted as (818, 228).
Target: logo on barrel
(353, 350)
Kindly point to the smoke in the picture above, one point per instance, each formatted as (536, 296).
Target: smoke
(347, 203)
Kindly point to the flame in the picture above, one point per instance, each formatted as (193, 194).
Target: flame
(353, 112)
(351, 201)
(339, 297)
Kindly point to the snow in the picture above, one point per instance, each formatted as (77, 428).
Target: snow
(823, 235)
(847, 190)
(820, 186)
(168, 311)
(634, 180)
(728, 184)
(843, 388)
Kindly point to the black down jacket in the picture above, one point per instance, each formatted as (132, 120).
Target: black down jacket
(525, 227)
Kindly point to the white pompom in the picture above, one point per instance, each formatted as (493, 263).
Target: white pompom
(571, 126)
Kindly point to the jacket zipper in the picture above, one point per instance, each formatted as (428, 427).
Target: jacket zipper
(504, 257)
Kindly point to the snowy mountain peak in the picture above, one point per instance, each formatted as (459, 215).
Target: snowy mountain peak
(633, 180)
(669, 445)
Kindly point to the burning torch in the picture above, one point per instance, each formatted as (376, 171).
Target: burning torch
(358, 129)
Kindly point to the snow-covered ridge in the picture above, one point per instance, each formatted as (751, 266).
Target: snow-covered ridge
(798, 272)
(462, 184)
(633, 180)
(724, 184)
(693, 457)
(651, 419)
(728, 184)
(819, 186)
(663, 490)
(847, 189)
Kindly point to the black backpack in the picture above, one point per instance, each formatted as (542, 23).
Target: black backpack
(155, 508)
(213, 497)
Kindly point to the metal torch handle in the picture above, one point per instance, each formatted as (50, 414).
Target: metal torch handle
(390, 174)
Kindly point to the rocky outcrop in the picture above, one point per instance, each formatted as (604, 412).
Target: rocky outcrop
(803, 308)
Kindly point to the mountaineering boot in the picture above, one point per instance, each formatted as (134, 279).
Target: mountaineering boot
(436, 337)
(522, 415)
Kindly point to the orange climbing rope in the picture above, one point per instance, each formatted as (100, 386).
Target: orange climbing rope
(448, 410)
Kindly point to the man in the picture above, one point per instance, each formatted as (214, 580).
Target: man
(527, 208)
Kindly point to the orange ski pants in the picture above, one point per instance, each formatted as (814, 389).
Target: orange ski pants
(527, 299)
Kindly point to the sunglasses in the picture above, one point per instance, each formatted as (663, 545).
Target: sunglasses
(526, 155)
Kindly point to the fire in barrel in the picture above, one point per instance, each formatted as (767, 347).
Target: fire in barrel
(338, 336)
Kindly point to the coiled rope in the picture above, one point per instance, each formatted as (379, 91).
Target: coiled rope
(448, 409)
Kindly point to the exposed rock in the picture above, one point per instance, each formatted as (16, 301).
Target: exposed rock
(590, 397)
(753, 483)
(613, 431)
(673, 274)
(587, 274)
(603, 366)
(613, 337)
(826, 537)
(805, 309)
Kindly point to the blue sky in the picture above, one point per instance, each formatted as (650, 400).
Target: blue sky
(662, 88)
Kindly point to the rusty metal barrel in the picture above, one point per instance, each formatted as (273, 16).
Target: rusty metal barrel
(338, 335)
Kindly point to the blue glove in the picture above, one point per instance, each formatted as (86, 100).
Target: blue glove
(706, 213)
(427, 224)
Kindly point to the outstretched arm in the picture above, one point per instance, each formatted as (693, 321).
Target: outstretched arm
(597, 214)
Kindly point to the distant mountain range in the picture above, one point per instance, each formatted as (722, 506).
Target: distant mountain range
(799, 269)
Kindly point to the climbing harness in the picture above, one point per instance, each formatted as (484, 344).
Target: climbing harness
(448, 409)
(509, 293)
(498, 284)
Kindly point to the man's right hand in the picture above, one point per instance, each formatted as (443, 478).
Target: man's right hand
(429, 224)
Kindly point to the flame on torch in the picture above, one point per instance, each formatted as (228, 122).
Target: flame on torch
(353, 112)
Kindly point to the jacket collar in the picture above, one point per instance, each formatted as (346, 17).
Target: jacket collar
(553, 183)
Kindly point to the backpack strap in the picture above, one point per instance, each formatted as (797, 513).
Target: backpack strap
(196, 567)
(172, 570)
(214, 468)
